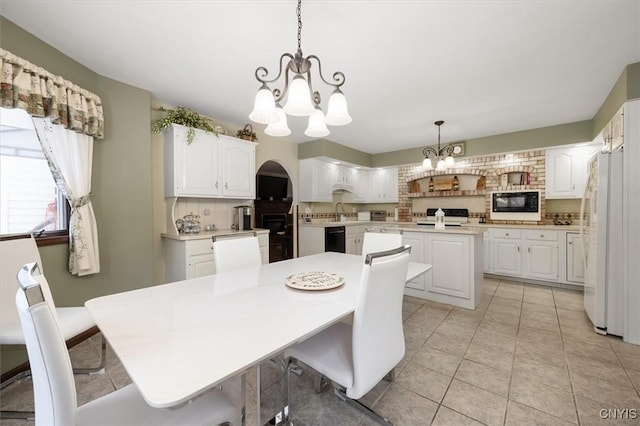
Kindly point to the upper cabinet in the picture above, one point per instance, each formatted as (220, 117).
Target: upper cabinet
(320, 178)
(383, 185)
(566, 170)
(209, 167)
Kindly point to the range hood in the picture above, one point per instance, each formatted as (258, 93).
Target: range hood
(342, 187)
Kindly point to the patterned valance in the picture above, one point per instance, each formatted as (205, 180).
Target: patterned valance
(42, 94)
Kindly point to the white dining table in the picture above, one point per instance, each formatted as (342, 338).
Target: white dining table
(179, 339)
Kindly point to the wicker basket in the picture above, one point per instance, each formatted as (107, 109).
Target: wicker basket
(247, 133)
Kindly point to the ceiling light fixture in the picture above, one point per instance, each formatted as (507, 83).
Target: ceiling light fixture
(301, 99)
(442, 162)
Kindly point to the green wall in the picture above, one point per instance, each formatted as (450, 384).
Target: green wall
(327, 148)
(121, 184)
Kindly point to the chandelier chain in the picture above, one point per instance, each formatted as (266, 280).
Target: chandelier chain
(298, 12)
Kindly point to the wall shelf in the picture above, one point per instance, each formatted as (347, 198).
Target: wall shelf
(434, 194)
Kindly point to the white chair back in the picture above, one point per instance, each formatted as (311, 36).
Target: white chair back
(374, 242)
(230, 254)
(378, 338)
(14, 254)
(53, 384)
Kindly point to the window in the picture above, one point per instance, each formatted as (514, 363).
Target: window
(30, 201)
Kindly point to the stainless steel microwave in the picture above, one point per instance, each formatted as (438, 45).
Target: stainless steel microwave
(515, 205)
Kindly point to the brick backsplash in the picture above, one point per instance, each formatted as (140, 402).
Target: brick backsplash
(489, 166)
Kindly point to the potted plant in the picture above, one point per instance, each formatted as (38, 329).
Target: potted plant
(185, 117)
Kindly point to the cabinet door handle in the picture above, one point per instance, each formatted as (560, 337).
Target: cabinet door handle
(570, 243)
(541, 235)
(529, 249)
(226, 185)
(518, 248)
(507, 234)
(216, 184)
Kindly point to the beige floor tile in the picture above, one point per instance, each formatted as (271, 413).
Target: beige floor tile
(457, 328)
(479, 404)
(424, 381)
(595, 413)
(90, 387)
(551, 400)
(447, 417)
(509, 330)
(622, 347)
(403, 407)
(489, 356)
(539, 323)
(437, 360)
(587, 350)
(513, 305)
(482, 376)
(502, 317)
(599, 369)
(542, 353)
(543, 372)
(410, 307)
(496, 340)
(540, 337)
(634, 376)
(609, 394)
(630, 362)
(519, 414)
(454, 345)
(508, 294)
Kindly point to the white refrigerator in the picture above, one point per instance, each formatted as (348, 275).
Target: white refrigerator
(601, 232)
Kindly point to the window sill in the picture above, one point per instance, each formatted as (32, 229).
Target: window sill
(53, 239)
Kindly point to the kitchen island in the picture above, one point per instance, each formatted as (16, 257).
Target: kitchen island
(455, 253)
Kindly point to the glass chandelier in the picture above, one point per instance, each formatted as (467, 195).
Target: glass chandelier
(301, 99)
(443, 156)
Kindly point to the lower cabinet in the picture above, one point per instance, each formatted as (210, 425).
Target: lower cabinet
(534, 254)
(575, 262)
(192, 258)
(456, 275)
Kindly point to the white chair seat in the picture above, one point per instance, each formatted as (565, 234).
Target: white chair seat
(127, 407)
(329, 353)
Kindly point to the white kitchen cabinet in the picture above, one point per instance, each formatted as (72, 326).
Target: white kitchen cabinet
(209, 167)
(360, 179)
(238, 168)
(310, 240)
(450, 257)
(193, 257)
(506, 256)
(486, 253)
(416, 241)
(541, 255)
(354, 237)
(566, 170)
(383, 185)
(575, 262)
(316, 180)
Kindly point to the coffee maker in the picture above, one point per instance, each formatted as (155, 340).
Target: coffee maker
(242, 218)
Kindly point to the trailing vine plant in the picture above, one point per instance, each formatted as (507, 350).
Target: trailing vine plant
(185, 117)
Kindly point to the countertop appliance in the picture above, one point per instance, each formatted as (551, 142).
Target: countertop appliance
(242, 216)
(515, 205)
(335, 239)
(452, 217)
(602, 234)
(379, 215)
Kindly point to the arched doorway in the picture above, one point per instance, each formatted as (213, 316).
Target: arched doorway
(273, 209)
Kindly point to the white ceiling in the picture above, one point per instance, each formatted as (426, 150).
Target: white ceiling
(485, 67)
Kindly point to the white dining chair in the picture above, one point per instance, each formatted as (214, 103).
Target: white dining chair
(374, 242)
(234, 253)
(54, 386)
(76, 324)
(356, 357)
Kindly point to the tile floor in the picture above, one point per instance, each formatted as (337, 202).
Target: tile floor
(527, 355)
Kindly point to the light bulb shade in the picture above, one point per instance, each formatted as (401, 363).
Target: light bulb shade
(317, 127)
(264, 107)
(426, 164)
(299, 102)
(280, 127)
(440, 166)
(337, 112)
(449, 161)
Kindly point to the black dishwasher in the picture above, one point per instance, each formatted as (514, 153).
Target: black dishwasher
(334, 239)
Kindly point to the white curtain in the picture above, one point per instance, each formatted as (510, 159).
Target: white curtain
(70, 156)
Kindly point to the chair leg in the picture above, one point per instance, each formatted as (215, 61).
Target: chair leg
(319, 382)
(103, 362)
(341, 393)
(22, 415)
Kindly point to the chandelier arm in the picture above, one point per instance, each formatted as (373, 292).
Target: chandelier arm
(448, 149)
(428, 151)
(338, 76)
(262, 72)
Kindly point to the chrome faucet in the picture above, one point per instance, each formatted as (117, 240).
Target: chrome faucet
(339, 216)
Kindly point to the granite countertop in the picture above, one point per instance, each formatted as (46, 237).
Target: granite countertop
(208, 234)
